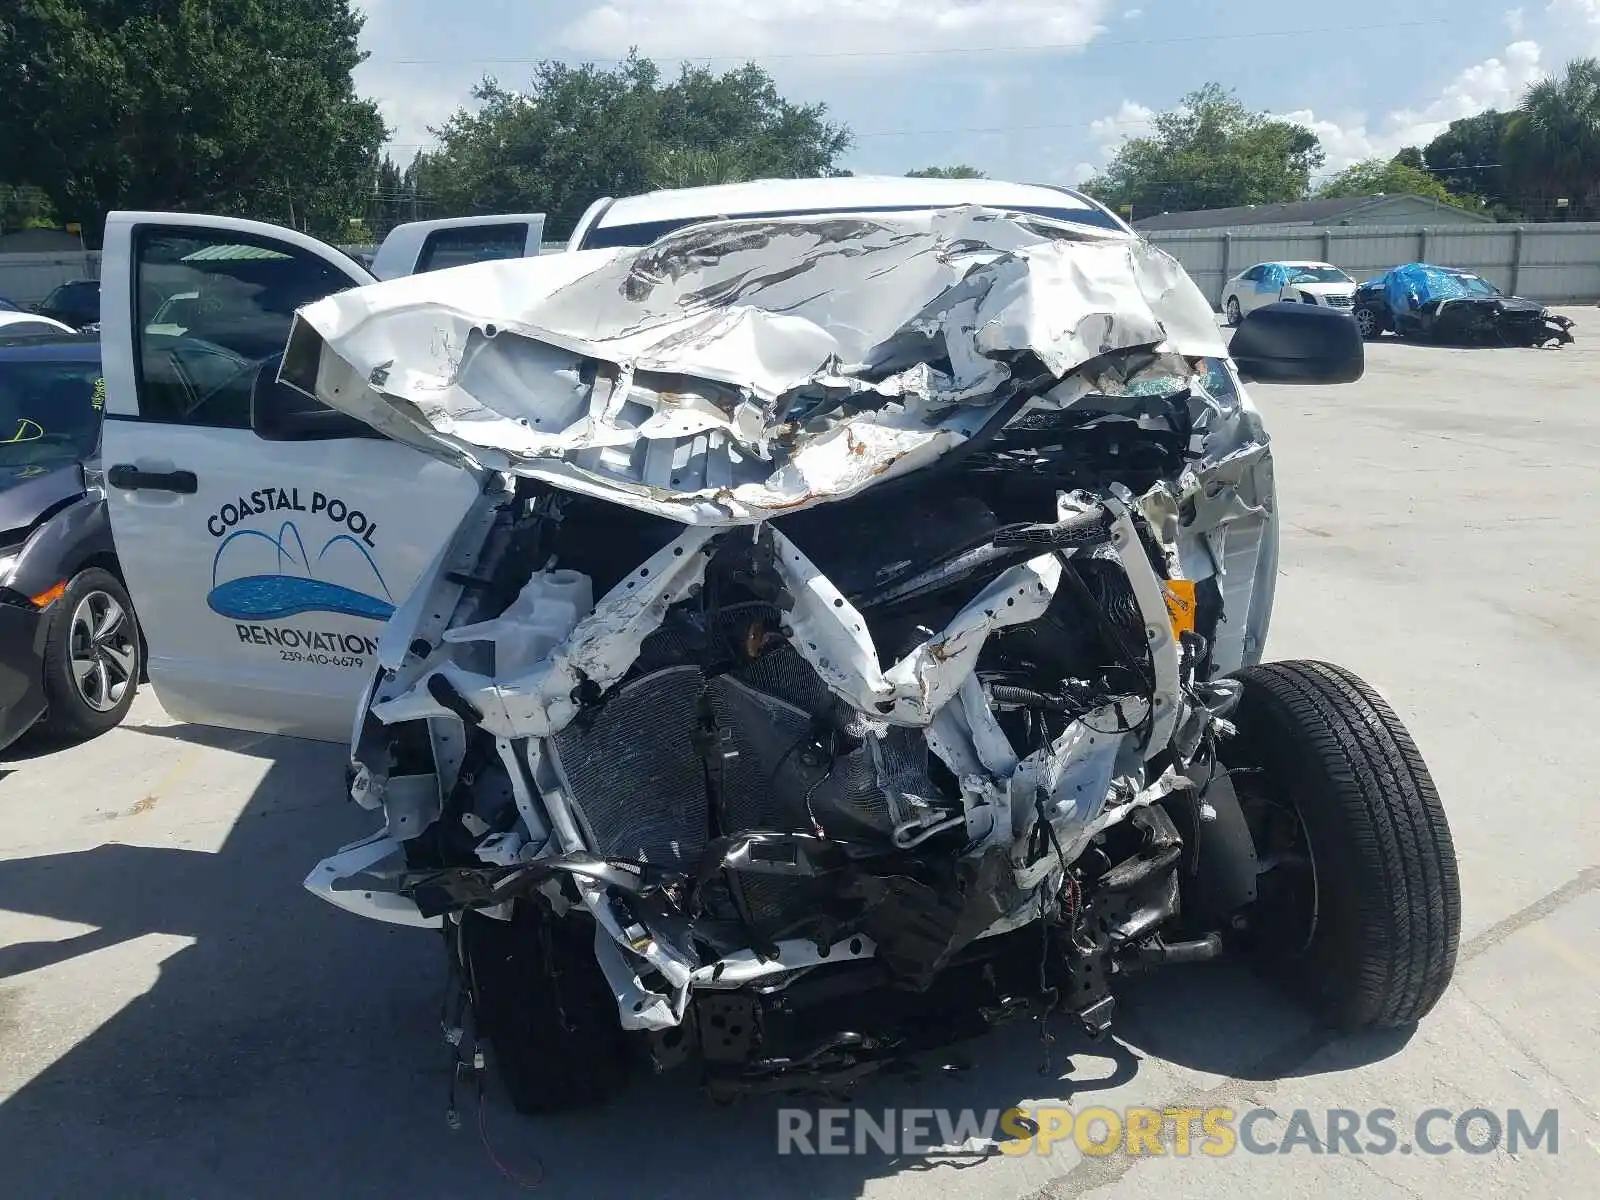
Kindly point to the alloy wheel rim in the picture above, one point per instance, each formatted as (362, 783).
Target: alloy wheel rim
(103, 651)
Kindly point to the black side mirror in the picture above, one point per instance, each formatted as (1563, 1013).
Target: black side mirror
(1298, 343)
(280, 413)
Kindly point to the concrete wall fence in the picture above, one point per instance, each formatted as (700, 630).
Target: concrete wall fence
(29, 278)
(1558, 263)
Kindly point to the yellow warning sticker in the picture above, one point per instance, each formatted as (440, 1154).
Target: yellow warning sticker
(1179, 594)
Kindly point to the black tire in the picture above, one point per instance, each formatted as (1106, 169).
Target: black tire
(80, 711)
(546, 1010)
(1233, 314)
(1369, 320)
(1386, 916)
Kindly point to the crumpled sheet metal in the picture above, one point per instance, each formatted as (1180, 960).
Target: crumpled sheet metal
(742, 369)
(702, 351)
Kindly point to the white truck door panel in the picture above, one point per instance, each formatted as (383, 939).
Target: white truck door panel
(261, 570)
(419, 246)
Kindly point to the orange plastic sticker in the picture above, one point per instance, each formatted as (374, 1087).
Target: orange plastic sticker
(1179, 594)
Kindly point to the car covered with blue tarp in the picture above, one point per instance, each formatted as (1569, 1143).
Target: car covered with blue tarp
(1448, 304)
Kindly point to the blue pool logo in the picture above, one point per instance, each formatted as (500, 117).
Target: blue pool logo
(258, 577)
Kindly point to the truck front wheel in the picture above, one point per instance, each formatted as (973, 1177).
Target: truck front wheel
(1358, 902)
(546, 1010)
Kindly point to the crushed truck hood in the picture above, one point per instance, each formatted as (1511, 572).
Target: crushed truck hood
(744, 369)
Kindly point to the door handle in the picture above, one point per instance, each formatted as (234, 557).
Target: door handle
(130, 477)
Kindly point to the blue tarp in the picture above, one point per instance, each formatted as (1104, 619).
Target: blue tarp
(1273, 278)
(1409, 287)
(1277, 276)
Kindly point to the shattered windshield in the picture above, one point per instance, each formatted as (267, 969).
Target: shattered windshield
(1477, 286)
(49, 411)
(1210, 373)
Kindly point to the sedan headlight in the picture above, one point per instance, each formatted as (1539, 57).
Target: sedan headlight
(8, 563)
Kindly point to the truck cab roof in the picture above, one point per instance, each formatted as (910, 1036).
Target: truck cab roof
(640, 220)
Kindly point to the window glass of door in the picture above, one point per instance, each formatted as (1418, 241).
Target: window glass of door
(212, 308)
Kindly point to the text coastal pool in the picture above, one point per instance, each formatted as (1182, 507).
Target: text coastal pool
(288, 499)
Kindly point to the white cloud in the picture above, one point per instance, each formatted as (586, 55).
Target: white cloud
(411, 100)
(1133, 14)
(1131, 120)
(1580, 16)
(1494, 83)
(411, 95)
(714, 28)
(1583, 10)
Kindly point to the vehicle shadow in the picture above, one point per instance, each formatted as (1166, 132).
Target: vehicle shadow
(1224, 1019)
(292, 1049)
(41, 742)
(35, 743)
(1421, 343)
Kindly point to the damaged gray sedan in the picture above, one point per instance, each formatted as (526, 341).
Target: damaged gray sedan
(857, 644)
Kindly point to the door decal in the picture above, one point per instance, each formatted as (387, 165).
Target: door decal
(296, 584)
(284, 553)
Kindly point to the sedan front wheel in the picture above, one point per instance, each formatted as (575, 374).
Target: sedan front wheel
(93, 656)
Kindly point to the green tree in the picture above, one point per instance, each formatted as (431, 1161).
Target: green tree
(234, 106)
(1466, 158)
(959, 172)
(577, 133)
(1210, 152)
(1552, 143)
(24, 208)
(393, 198)
(1374, 176)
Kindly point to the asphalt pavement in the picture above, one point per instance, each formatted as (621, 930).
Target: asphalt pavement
(178, 1018)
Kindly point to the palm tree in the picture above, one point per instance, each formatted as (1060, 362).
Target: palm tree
(683, 168)
(1551, 148)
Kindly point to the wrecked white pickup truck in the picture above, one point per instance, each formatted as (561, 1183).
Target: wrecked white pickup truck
(856, 644)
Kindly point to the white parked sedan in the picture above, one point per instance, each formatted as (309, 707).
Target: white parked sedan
(1301, 282)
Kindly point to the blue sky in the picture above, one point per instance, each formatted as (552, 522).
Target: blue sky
(1025, 89)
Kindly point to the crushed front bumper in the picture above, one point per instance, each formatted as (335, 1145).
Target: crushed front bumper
(24, 631)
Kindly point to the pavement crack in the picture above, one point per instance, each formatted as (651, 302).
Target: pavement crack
(1371, 1168)
(1091, 1174)
(1586, 882)
(1526, 1050)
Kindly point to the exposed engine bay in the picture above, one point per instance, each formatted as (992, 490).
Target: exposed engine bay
(839, 654)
